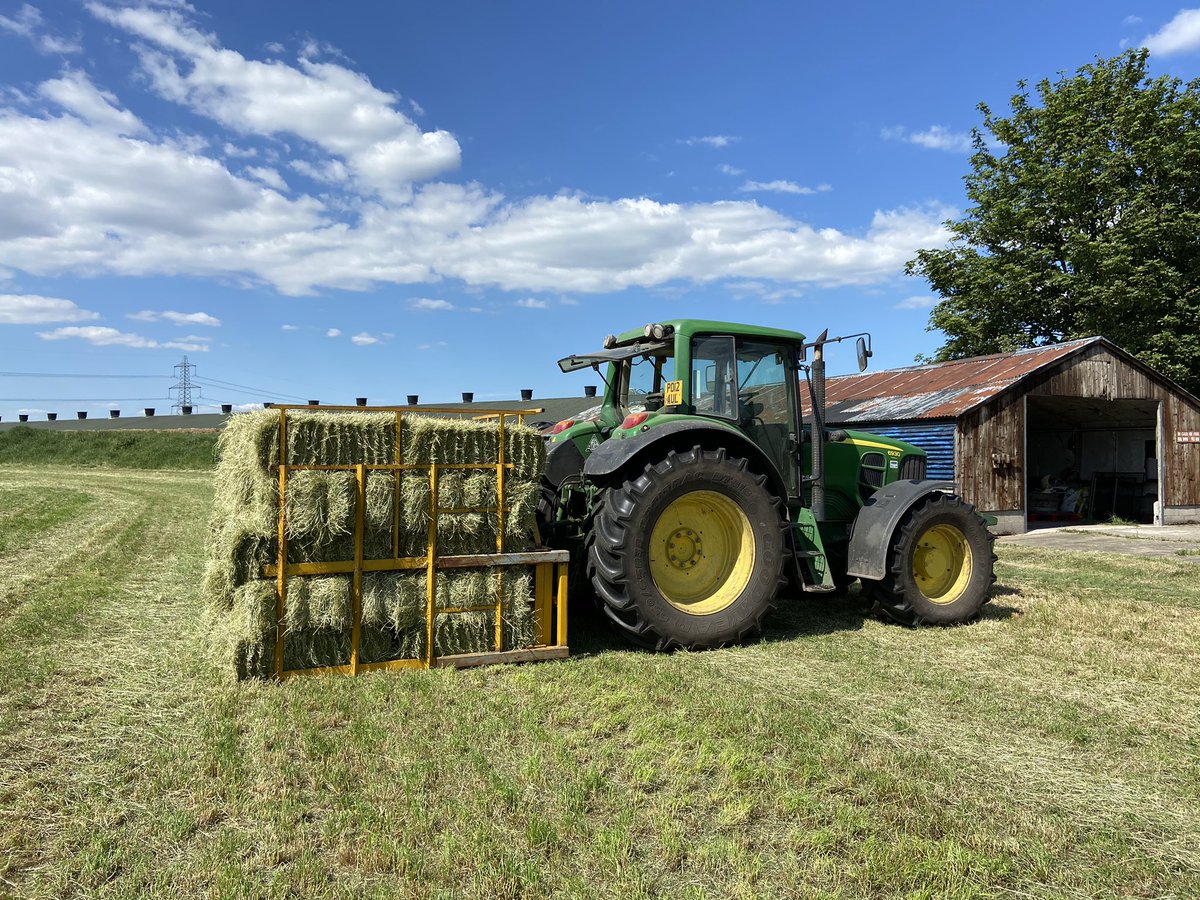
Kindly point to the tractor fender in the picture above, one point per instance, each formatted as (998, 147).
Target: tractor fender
(652, 444)
(871, 539)
(562, 461)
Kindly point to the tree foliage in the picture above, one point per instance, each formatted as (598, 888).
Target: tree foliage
(1085, 221)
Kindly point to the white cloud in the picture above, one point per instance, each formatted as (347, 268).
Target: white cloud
(75, 93)
(936, 137)
(236, 152)
(269, 177)
(782, 187)
(102, 336)
(713, 140)
(81, 199)
(1179, 35)
(28, 24)
(334, 108)
(333, 332)
(726, 169)
(432, 345)
(568, 301)
(287, 327)
(425, 304)
(531, 303)
(921, 301)
(364, 339)
(32, 309)
(1132, 20)
(196, 318)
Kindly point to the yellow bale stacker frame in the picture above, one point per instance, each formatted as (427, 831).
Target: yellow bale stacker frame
(550, 566)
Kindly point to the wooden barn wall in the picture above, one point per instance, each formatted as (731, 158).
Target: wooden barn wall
(997, 427)
(1098, 373)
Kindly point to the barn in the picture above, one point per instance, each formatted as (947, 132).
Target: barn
(1068, 431)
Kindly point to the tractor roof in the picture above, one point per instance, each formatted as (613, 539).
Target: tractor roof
(704, 326)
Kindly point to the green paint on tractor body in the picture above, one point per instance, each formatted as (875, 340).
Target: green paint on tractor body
(695, 489)
(856, 464)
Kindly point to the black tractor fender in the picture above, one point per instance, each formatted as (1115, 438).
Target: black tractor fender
(562, 461)
(871, 538)
(652, 444)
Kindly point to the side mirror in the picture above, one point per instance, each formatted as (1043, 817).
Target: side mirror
(710, 379)
(860, 347)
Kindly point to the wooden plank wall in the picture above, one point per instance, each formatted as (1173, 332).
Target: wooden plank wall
(999, 427)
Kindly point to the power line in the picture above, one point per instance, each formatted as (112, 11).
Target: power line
(72, 375)
(79, 399)
(255, 390)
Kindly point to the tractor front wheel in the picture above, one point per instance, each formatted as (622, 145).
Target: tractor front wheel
(940, 565)
(689, 553)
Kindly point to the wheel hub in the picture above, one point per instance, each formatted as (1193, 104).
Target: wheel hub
(941, 563)
(685, 547)
(702, 550)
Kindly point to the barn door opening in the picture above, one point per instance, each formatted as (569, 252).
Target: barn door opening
(1091, 459)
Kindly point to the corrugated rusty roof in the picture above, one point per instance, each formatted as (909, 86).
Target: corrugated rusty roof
(937, 390)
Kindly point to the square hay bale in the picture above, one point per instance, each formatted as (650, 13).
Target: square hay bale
(320, 515)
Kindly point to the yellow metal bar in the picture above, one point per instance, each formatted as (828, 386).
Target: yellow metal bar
(500, 492)
(281, 577)
(484, 560)
(542, 610)
(431, 563)
(318, 670)
(388, 467)
(530, 654)
(409, 409)
(562, 605)
(500, 534)
(396, 485)
(360, 501)
(499, 610)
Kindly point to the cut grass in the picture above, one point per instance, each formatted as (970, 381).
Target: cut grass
(1050, 750)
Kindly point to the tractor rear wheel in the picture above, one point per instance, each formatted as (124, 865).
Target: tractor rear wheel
(940, 565)
(689, 553)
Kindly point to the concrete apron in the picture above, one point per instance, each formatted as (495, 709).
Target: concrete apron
(1132, 540)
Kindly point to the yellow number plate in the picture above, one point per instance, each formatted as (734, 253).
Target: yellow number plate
(673, 393)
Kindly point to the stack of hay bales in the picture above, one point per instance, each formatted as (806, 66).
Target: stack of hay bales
(321, 510)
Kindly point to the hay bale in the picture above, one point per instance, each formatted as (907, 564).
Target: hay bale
(321, 510)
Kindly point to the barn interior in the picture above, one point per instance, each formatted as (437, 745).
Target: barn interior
(1091, 459)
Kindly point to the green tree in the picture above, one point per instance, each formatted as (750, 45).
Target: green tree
(1085, 220)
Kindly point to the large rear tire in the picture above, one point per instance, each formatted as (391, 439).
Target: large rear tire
(940, 565)
(688, 554)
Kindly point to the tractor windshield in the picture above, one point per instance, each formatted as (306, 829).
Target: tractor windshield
(647, 375)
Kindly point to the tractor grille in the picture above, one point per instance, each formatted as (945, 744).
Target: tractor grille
(912, 468)
(871, 472)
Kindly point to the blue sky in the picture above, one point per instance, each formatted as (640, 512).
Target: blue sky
(327, 201)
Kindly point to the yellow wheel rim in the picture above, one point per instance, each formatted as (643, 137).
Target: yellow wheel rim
(702, 552)
(941, 564)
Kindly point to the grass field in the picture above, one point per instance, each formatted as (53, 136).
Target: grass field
(122, 449)
(1050, 750)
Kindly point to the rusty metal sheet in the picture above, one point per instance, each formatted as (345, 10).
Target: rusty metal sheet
(937, 390)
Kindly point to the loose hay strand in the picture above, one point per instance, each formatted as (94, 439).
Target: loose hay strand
(320, 509)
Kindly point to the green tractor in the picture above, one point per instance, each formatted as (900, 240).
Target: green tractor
(698, 490)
